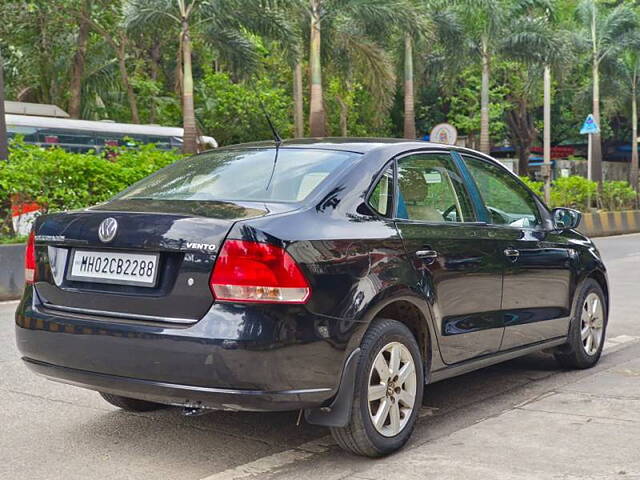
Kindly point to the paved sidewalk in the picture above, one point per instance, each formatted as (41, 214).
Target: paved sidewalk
(590, 429)
(584, 427)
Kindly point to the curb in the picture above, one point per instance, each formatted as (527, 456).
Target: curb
(603, 224)
(11, 271)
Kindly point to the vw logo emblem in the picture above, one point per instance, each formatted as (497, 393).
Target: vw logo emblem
(107, 230)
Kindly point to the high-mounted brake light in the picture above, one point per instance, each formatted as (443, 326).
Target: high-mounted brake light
(257, 272)
(30, 260)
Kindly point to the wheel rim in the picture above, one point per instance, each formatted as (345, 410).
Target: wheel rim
(592, 323)
(392, 389)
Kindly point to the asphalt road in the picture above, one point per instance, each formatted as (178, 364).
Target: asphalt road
(54, 431)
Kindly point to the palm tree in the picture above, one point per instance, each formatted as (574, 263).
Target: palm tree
(223, 24)
(540, 45)
(631, 62)
(363, 18)
(358, 58)
(421, 27)
(429, 22)
(605, 33)
(79, 61)
(624, 86)
(485, 24)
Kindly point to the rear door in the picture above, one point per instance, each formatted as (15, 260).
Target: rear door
(458, 266)
(537, 265)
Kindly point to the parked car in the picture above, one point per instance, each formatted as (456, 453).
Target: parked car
(337, 277)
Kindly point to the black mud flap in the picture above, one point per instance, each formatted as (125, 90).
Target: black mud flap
(338, 413)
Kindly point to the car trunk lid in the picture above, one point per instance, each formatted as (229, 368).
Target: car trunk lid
(185, 236)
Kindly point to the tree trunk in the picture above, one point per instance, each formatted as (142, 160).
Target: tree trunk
(317, 115)
(4, 148)
(156, 55)
(78, 63)
(6, 226)
(124, 77)
(547, 134)
(190, 135)
(119, 46)
(522, 132)
(344, 116)
(633, 170)
(298, 102)
(409, 101)
(485, 143)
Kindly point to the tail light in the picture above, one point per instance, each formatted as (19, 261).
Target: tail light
(257, 272)
(30, 259)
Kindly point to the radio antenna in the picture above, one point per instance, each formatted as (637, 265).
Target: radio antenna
(276, 136)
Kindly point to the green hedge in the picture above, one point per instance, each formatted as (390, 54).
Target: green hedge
(582, 194)
(59, 180)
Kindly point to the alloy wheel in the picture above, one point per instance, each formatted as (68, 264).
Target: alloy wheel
(392, 389)
(592, 323)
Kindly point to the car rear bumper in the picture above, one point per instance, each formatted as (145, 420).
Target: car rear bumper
(183, 395)
(235, 358)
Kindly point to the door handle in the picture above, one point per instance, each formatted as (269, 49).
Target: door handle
(427, 254)
(512, 253)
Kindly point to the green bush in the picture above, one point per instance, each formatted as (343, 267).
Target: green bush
(617, 195)
(232, 112)
(536, 187)
(59, 180)
(575, 192)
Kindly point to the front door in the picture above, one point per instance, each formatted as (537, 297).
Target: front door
(537, 263)
(458, 266)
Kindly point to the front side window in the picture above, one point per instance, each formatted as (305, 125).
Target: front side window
(243, 175)
(507, 201)
(430, 190)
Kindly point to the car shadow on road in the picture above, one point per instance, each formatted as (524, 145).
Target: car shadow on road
(221, 440)
(488, 382)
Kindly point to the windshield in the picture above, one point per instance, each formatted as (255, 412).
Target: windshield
(242, 175)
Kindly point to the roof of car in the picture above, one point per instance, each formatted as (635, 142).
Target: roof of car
(351, 144)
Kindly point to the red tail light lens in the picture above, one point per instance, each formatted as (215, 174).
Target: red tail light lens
(257, 272)
(30, 259)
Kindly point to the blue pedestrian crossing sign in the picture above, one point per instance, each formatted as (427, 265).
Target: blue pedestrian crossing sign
(590, 126)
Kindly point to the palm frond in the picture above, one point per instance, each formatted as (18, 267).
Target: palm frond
(372, 62)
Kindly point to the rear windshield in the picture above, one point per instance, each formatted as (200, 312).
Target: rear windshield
(242, 175)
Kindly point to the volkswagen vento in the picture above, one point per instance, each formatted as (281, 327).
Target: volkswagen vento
(336, 277)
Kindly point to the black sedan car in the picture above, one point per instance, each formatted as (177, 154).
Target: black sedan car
(336, 277)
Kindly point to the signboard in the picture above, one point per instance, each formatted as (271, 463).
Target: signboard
(590, 126)
(444, 133)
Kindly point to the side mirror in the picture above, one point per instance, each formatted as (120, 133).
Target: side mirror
(566, 218)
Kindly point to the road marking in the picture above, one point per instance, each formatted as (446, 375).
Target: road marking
(9, 302)
(276, 461)
(616, 343)
(273, 462)
(622, 339)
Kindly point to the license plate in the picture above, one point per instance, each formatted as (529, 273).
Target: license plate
(139, 269)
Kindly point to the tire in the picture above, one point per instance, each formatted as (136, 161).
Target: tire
(361, 436)
(578, 353)
(131, 404)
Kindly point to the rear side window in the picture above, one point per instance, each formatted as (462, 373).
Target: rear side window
(507, 201)
(381, 199)
(243, 175)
